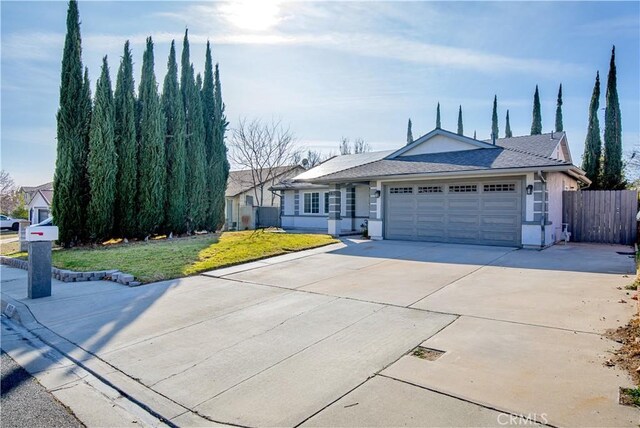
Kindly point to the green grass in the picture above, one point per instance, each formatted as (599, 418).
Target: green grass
(163, 259)
(632, 395)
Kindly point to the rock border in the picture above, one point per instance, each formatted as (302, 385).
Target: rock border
(66, 275)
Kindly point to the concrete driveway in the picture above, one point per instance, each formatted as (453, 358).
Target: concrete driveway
(325, 337)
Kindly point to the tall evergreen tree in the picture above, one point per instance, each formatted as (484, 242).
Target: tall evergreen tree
(213, 166)
(409, 133)
(474, 134)
(559, 125)
(494, 118)
(591, 160)
(69, 204)
(220, 152)
(126, 147)
(536, 124)
(507, 127)
(86, 104)
(460, 127)
(612, 175)
(196, 181)
(175, 146)
(438, 124)
(151, 155)
(101, 163)
(199, 82)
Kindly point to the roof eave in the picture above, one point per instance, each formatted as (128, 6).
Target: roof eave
(413, 176)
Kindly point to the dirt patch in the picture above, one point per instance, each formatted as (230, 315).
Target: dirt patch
(628, 356)
(427, 353)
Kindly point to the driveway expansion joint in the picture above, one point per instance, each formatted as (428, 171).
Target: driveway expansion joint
(466, 400)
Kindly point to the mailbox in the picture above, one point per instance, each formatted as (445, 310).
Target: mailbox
(40, 239)
(42, 233)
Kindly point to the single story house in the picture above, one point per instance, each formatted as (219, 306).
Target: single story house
(38, 200)
(244, 189)
(442, 187)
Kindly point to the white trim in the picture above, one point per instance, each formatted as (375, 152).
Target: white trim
(304, 211)
(440, 131)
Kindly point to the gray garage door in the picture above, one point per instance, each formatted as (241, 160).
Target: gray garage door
(473, 212)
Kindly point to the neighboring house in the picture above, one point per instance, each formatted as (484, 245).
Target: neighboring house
(443, 187)
(38, 200)
(243, 192)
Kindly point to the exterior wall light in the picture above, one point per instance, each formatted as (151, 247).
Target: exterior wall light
(377, 193)
(530, 189)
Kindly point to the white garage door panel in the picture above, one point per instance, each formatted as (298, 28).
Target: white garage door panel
(492, 214)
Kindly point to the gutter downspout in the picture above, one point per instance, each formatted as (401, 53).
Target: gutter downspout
(543, 216)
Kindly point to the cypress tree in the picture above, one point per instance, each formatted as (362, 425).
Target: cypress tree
(126, 147)
(69, 204)
(220, 152)
(474, 134)
(409, 133)
(494, 118)
(559, 125)
(196, 184)
(591, 160)
(438, 125)
(199, 82)
(151, 154)
(175, 147)
(536, 124)
(101, 165)
(460, 128)
(87, 106)
(208, 110)
(507, 127)
(612, 177)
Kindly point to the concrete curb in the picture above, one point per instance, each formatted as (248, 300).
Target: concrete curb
(81, 387)
(66, 275)
(97, 392)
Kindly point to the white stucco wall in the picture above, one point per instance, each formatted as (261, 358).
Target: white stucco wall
(439, 144)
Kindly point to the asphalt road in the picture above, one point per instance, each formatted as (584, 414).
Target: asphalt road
(26, 403)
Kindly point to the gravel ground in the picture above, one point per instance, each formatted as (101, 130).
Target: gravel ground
(26, 403)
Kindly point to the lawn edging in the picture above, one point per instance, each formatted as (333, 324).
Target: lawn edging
(66, 275)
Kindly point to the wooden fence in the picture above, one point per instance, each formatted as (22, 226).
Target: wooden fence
(604, 216)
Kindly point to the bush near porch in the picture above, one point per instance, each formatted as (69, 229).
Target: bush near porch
(167, 259)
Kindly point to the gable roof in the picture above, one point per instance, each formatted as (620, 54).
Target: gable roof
(473, 143)
(242, 180)
(495, 158)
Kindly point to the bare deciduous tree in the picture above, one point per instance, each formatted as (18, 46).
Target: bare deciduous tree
(315, 158)
(263, 148)
(359, 146)
(8, 196)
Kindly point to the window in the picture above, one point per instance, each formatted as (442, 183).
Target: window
(430, 189)
(463, 188)
(401, 190)
(311, 203)
(326, 202)
(2, 217)
(248, 200)
(503, 187)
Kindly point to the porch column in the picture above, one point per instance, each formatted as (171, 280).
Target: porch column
(334, 211)
(350, 205)
(375, 211)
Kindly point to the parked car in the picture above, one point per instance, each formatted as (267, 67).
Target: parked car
(7, 222)
(47, 222)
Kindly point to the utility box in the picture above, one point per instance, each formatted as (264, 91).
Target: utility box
(40, 240)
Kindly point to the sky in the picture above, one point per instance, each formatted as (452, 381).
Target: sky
(329, 70)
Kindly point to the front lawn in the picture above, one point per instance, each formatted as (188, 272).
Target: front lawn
(167, 259)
